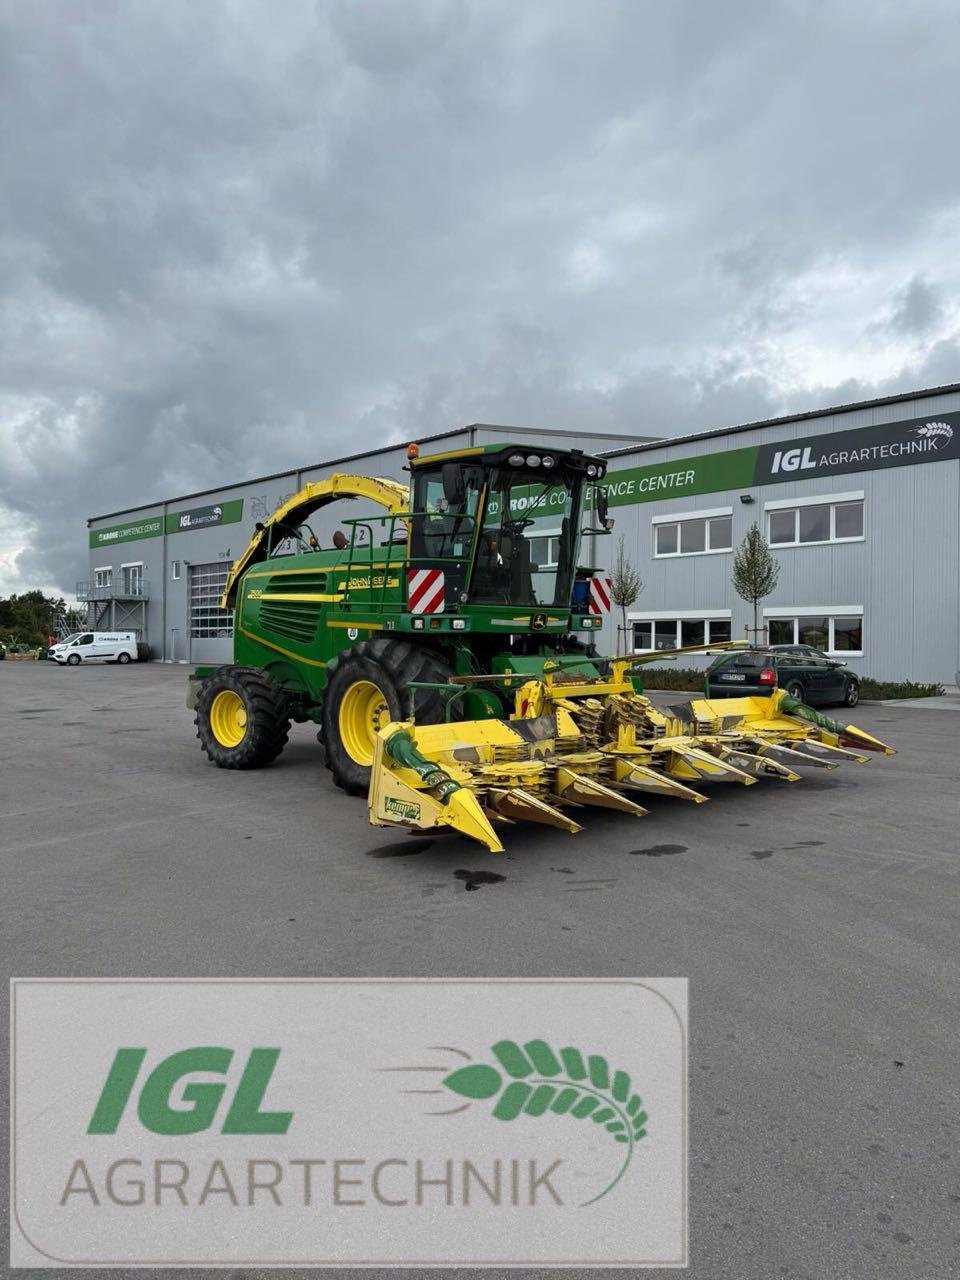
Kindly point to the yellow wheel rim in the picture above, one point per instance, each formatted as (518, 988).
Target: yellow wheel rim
(228, 718)
(363, 710)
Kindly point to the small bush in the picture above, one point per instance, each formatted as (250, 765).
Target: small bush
(880, 690)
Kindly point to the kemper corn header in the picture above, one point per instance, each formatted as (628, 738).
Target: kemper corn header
(445, 647)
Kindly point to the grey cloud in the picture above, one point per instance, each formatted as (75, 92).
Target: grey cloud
(234, 237)
(918, 308)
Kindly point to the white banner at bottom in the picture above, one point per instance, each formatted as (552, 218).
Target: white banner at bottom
(349, 1122)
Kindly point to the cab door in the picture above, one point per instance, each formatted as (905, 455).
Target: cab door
(84, 647)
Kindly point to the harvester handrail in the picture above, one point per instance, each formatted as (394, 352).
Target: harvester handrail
(445, 687)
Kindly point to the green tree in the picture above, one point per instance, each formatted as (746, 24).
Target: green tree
(755, 571)
(625, 585)
(30, 618)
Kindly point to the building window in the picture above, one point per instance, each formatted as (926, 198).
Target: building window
(697, 533)
(103, 577)
(175, 570)
(651, 635)
(132, 579)
(840, 633)
(804, 522)
(207, 619)
(545, 550)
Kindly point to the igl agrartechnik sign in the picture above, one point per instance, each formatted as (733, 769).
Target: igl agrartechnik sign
(889, 444)
(331, 1122)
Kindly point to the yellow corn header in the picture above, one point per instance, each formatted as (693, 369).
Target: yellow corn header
(574, 741)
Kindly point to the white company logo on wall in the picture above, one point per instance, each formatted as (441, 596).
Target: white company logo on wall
(939, 434)
(893, 444)
(199, 517)
(257, 1122)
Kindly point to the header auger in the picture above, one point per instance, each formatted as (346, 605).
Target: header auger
(574, 743)
(465, 596)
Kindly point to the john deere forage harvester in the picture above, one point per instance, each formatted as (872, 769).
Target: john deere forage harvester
(445, 649)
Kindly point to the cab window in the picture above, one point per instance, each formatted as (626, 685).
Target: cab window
(87, 639)
(444, 529)
(524, 556)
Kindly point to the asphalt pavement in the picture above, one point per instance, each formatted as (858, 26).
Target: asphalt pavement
(818, 924)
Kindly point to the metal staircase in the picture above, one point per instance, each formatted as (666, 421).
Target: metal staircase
(116, 607)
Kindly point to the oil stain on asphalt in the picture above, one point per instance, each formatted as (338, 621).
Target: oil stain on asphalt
(659, 850)
(474, 879)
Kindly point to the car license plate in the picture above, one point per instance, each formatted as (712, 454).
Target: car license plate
(735, 676)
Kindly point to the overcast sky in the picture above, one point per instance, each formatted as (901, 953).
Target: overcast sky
(238, 237)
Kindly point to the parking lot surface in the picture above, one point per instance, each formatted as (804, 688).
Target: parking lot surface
(818, 924)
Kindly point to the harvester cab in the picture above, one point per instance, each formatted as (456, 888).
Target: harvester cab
(444, 642)
(495, 536)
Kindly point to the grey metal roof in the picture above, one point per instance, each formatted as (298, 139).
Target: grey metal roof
(899, 398)
(354, 457)
(274, 475)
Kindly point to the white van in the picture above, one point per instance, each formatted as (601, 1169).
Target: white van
(96, 646)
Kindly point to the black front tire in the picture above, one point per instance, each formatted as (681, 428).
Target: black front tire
(267, 720)
(852, 695)
(74, 660)
(391, 665)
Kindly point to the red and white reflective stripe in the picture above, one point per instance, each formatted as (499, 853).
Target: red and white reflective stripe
(425, 590)
(600, 595)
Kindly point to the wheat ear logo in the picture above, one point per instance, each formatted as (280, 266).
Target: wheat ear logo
(938, 433)
(534, 1080)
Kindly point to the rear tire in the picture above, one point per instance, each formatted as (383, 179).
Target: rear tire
(123, 658)
(795, 690)
(241, 719)
(366, 689)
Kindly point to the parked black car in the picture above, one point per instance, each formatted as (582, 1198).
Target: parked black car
(757, 671)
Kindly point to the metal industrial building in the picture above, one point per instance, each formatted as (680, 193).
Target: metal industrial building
(860, 505)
